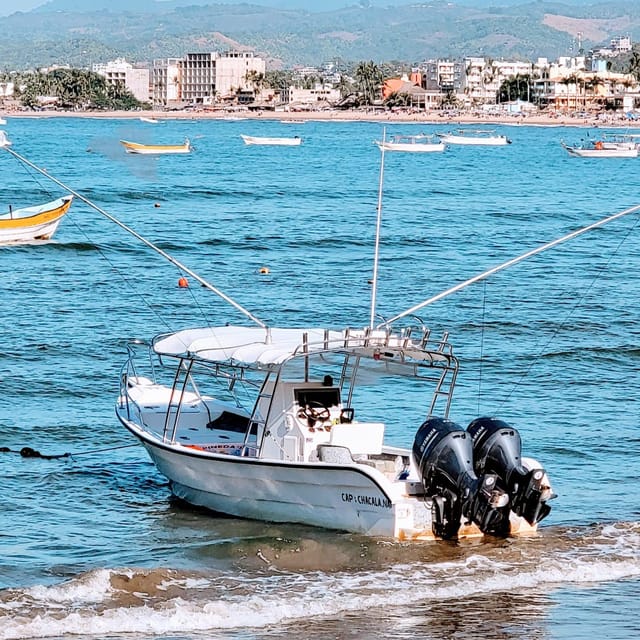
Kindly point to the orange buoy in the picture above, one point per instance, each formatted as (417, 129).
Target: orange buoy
(183, 283)
(263, 270)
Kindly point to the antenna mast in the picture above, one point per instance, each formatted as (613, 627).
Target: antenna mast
(376, 255)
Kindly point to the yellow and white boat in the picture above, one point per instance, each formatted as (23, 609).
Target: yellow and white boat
(33, 223)
(155, 149)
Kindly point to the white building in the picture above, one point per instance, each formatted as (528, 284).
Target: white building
(121, 72)
(165, 81)
(234, 70)
(311, 97)
(7, 89)
(621, 44)
(483, 78)
(201, 78)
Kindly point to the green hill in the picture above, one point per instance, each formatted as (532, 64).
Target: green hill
(286, 37)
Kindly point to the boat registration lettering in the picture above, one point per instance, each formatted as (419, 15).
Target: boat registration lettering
(370, 501)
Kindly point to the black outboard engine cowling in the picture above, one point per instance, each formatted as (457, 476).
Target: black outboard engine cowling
(497, 449)
(444, 454)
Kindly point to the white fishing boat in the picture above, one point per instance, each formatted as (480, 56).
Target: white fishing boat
(149, 120)
(33, 223)
(602, 149)
(283, 142)
(483, 137)
(156, 149)
(412, 144)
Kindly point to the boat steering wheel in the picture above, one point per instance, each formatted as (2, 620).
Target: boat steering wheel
(314, 411)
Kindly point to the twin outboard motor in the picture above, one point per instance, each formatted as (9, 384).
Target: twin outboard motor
(497, 450)
(444, 454)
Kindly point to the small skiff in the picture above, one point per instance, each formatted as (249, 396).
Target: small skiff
(156, 149)
(412, 144)
(33, 223)
(478, 137)
(602, 149)
(282, 142)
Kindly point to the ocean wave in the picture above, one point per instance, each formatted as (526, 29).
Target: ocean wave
(160, 601)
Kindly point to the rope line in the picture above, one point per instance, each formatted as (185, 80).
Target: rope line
(28, 452)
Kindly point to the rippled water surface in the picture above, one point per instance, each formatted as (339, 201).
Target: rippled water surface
(92, 544)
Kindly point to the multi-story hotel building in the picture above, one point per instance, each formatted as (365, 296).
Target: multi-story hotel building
(200, 78)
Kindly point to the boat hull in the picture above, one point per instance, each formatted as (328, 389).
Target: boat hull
(602, 153)
(339, 497)
(412, 147)
(150, 149)
(33, 223)
(493, 141)
(279, 142)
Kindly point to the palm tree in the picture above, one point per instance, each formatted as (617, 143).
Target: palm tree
(344, 86)
(634, 64)
(488, 76)
(368, 80)
(398, 100)
(256, 80)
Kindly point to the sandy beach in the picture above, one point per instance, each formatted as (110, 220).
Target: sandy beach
(427, 117)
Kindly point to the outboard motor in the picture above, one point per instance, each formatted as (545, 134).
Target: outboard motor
(497, 450)
(443, 452)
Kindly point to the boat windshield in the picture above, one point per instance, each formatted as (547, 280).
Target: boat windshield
(327, 397)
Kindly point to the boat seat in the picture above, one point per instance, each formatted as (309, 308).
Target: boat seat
(335, 454)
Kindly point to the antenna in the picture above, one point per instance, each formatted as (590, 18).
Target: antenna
(6, 144)
(376, 254)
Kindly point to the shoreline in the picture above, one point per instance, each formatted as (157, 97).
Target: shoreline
(335, 115)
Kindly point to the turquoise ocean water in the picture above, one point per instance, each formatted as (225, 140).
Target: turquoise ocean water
(93, 546)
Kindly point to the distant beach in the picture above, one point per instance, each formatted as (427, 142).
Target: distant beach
(427, 117)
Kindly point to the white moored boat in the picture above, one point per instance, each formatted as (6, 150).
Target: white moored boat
(412, 144)
(156, 149)
(33, 223)
(285, 442)
(282, 142)
(482, 137)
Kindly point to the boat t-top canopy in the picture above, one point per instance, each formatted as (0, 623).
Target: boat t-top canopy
(273, 347)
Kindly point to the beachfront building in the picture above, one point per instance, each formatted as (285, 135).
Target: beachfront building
(481, 82)
(483, 78)
(588, 91)
(122, 73)
(165, 82)
(205, 77)
(310, 98)
(439, 75)
(415, 96)
(235, 70)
